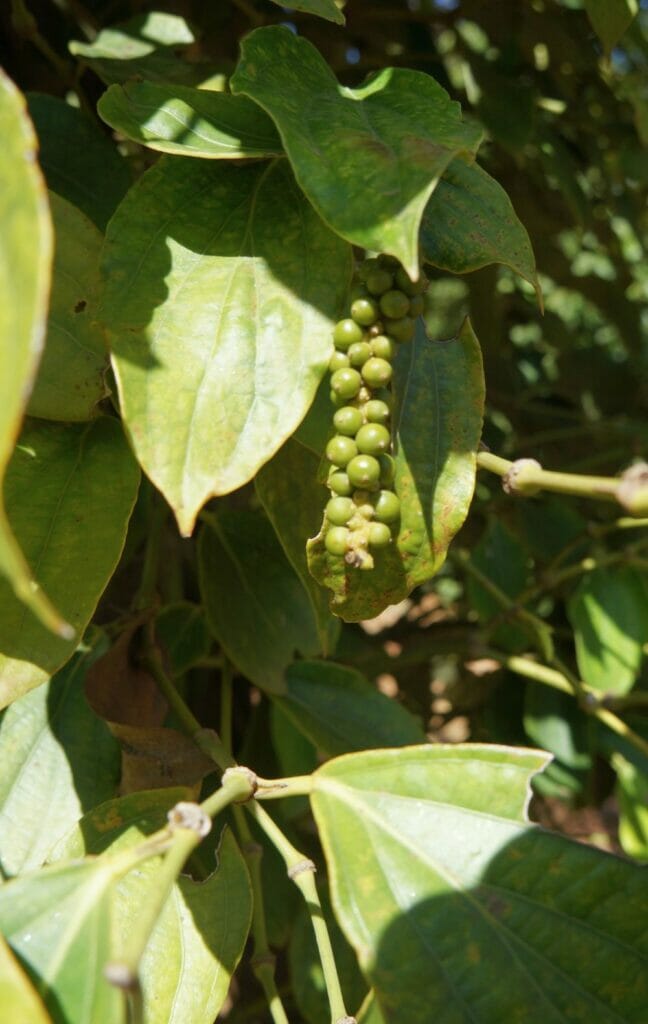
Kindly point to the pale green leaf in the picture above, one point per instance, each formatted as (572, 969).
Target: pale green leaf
(327, 9)
(256, 606)
(71, 377)
(461, 911)
(610, 19)
(367, 158)
(439, 388)
(609, 615)
(632, 795)
(219, 318)
(69, 490)
(18, 1000)
(189, 122)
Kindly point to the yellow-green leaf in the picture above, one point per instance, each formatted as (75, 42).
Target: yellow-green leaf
(18, 999)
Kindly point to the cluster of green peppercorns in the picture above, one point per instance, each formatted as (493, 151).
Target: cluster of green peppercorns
(363, 509)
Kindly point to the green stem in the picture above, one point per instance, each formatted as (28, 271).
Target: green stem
(226, 703)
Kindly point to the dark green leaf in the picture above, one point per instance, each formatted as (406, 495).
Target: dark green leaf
(78, 161)
(321, 8)
(610, 19)
(69, 492)
(555, 723)
(219, 321)
(317, 426)
(501, 558)
(439, 390)
(183, 632)
(367, 158)
(461, 911)
(340, 711)
(256, 607)
(71, 377)
(190, 122)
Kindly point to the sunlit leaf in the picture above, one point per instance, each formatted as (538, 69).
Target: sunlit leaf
(19, 1001)
(327, 9)
(632, 794)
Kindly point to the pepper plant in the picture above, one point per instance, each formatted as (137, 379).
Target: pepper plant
(276, 743)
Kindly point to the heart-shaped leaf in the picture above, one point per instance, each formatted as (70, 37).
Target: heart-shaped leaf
(219, 318)
(367, 158)
(71, 376)
(190, 122)
(439, 385)
(461, 911)
(70, 489)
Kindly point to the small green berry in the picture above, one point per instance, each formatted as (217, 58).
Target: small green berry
(378, 535)
(378, 281)
(340, 450)
(383, 347)
(367, 267)
(375, 372)
(345, 333)
(387, 470)
(338, 361)
(339, 483)
(390, 262)
(400, 330)
(372, 439)
(336, 540)
(346, 382)
(365, 312)
(339, 510)
(394, 304)
(336, 400)
(405, 283)
(364, 471)
(348, 420)
(416, 306)
(387, 507)
(358, 353)
(376, 411)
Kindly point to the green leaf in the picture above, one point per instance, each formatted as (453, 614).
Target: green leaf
(58, 761)
(190, 122)
(439, 390)
(610, 19)
(461, 911)
(71, 377)
(608, 612)
(554, 722)
(502, 559)
(470, 222)
(321, 8)
(367, 158)
(148, 46)
(183, 632)
(632, 795)
(57, 922)
(292, 498)
(219, 319)
(317, 426)
(25, 266)
(69, 490)
(78, 161)
(339, 711)
(19, 1001)
(256, 607)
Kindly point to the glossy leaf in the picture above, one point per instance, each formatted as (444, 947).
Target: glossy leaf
(632, 795)
(256, 606)
(367, 158)
(610, 19)
(439, 389)
(58, 761)
(461, 911)
(19, 1001)
(609, 615)
(71, 377)
(339, 711)
(292, 498)
(327, 9)
(219, 320)
(470, 222)
(189, 122)
(69, 491)
(25, 267)
(78, 161)
(58, 923)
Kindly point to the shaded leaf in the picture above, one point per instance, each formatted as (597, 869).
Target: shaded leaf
(610, 19)
(190, 122)
(554, 722)
(58, 760)
(183, 632)
(609, 615)
(317, 426)
(19, 1001)
(470, 222)
(339, 711)
(459, 910)
(71, 376)
(256, 606)
(219, 322)
(367, 158)
(78, 161)
(440, 385)
(632, 794)
(321, 8)
(502, 559)
(69, 491)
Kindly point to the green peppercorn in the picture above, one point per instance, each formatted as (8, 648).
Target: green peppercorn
(336, 540)
(387, 506)
(383, 347)
(372, 439)
(416, 306)
(339, 510)
(338, 361)
(337, 400)
(378, 281)
(405, 283)
(358, 353)
(387, 470)
(390, 262)
(345, 333)
(375, 372)
(376, 411)
(348, 420)
(365, 312)
(364, 471)
(400, 330)
(378, 535)
(339, 483)
(346, 382)
(340, 450)
(394, 304)
(368, 266)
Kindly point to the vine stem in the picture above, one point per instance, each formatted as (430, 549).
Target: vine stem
(25, 25)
